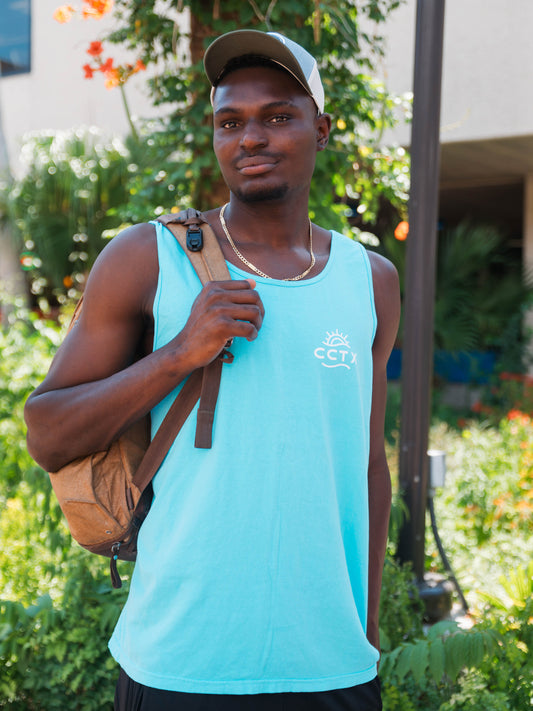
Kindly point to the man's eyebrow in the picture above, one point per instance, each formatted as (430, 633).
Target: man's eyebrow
(283, 104)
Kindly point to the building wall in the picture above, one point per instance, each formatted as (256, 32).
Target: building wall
(55, 95)
(487, 83)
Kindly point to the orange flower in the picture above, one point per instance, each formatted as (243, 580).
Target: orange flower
(89, 72)
(140, 66)
(95, 49)
(102, 6)
(63, 14)
(523, 506)
(516, 414)
(401, 231)
(96, 9)
(113, 78)
(67, 281)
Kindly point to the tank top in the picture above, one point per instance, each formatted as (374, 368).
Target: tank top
(252, 567)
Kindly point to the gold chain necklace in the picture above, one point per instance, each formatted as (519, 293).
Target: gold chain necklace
(254, 268)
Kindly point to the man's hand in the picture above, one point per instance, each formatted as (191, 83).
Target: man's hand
(223, 310)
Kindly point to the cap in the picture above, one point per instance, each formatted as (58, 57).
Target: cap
(271, 45)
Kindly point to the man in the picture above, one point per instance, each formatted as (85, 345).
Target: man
(259, 565)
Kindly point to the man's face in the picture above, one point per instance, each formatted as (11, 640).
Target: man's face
(266, 134)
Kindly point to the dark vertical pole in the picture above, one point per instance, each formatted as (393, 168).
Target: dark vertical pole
(417, 365)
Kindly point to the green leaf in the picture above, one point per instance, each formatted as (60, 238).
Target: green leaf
(403, 665)
(419, 660)
(456, 648)
(436, 659)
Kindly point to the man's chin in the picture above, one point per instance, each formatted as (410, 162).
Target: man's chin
(261, 194)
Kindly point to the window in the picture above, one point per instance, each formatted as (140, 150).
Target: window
(15, 44)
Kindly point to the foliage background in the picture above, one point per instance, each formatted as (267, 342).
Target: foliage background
(57, 608)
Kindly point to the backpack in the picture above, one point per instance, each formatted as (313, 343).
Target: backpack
(105, 496)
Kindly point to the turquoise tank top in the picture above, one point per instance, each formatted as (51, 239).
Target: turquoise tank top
(252, 569)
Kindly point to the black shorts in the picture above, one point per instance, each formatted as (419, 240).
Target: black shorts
(131, 696)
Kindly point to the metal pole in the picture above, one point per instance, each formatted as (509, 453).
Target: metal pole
(417, 365)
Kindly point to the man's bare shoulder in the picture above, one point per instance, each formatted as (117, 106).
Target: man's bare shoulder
(382, 268)
(131, 243)
(127, 267)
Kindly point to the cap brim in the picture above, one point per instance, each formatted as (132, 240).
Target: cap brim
(240, 42)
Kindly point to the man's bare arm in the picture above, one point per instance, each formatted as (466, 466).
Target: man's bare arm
(387, 301)
(95, 387)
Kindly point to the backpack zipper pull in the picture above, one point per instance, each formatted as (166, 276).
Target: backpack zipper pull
(116, 582)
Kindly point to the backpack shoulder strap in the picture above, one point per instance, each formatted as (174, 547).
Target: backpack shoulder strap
(199, 242)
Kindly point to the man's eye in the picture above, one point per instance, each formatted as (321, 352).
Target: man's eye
(279, 119)
(228, 124)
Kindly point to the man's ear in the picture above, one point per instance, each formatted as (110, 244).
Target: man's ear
(323, 128)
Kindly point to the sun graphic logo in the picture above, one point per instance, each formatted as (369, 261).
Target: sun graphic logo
(335, 351)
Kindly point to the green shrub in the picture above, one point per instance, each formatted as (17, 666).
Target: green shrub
(59, 210)
(484, 511)
(474, 695)
(57, 608)
(401, 610)
(509, 671)
(54, 654)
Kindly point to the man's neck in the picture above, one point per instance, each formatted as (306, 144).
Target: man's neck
(275, 223)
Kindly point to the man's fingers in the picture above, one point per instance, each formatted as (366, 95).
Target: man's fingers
(243, 312)
(244, 329)
(233, 292)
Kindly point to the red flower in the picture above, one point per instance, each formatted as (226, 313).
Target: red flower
(516, 377)
(515, 414)
(95, 49)
(107, 66)
(89, 72)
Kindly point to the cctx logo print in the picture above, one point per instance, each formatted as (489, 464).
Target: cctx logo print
(335, 351)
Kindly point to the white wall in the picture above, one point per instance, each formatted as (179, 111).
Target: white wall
(55, 94)
(487, 89)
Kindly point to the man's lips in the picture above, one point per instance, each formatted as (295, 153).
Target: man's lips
(256, 165)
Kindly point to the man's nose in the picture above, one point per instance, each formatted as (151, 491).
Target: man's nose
(253, 135)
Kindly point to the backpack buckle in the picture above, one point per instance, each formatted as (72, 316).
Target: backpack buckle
(194, 239)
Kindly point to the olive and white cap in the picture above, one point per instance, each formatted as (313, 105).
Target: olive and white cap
(270, 45)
